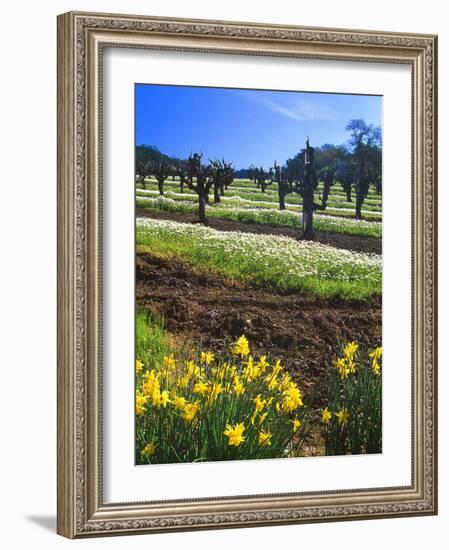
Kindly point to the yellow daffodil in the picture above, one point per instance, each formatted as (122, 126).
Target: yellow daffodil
(168, 362)
(165, 398)
(265, 438)
(200, 388)
(326, 415)
(376, 353)
(190, 411)
(375, 356)
(296, 424)
(272, 382)
(148, 450)
(291, 398)
(285, 382)
(141, 401)
(222, 373)
(173, 393)
(259, 403)
(179, 402)
(375, 367)
(183, 381)
(156, 393)
(277, 368)
(192, 370)
(149, 380)
(252, 370)
(231, 370)
(253, 417)
(342, 416)
(240, 347)
(238, 387)
(263, 363)
(207, 357)
(342, 367)
(214, 392)
(161, 399)
(139, 365)
(351, 366)
(350, 350)
(235, 434)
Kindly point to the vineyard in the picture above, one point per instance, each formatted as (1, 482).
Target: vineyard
(248, 272)
(258, 304)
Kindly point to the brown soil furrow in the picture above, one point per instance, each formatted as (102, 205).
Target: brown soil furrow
(301, 330)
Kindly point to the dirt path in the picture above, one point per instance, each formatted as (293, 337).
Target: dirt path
(203, 307)
(338, 240)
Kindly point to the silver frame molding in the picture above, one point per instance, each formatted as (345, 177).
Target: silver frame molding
(81, 38)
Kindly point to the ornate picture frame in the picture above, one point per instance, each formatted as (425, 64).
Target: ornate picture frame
(82, 38)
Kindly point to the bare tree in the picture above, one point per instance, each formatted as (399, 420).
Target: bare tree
(261, 177)
(222, 174)
(202, 184)
(161, 174)
(229, 174)
(143, 170)
(306, 190)
(345, 174)
(252, 174)
(216, 174)
(366, 142)
(326, 163)
(183, 177)
(284, 186)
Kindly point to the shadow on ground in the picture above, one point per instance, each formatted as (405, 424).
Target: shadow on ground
(46, 522)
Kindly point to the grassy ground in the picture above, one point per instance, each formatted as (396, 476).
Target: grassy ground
(264, 216)
(334, 202)
(247, 189)
(151, 340)
(243, 202)
(250, 186)
(282, 263)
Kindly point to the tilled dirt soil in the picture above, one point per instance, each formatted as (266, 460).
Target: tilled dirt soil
(301, 330)
(338, 240)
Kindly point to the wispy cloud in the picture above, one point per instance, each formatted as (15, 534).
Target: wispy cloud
(295, 108)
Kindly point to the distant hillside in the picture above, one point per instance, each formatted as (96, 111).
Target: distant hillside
(150, 153)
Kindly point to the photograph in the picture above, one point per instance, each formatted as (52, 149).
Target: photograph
(258, 274)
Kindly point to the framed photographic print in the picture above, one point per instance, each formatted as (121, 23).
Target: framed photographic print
(246, 274)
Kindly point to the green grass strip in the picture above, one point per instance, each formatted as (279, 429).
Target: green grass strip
(283, 263)
(283, 218)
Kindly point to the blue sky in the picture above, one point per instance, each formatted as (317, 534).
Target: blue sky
(245, 126)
